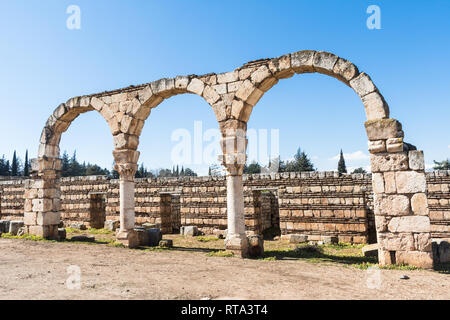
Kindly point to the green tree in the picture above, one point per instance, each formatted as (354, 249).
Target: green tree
(359, 170)
(14, 165)
(341, 164)
(95, 170)
(75, 169)
(301, 162)
(443, 165)
(4, 167)
(26, 166)
(65, 165)
(252, 168)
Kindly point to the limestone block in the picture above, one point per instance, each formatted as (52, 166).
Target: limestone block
(378, 183)
(394, 242)
(49, 151)
(381, 162)
(416, 258)
(189, 231)
(210, 95)
(260, 74)
(381, 223)
(30, 218)
(383, 129)
(422, 242)
(377, 146)
(234, 86)
(78, 225)
(409, 224)
(256, 246)
(196, 86)
(392, 205)
(389, 182)
(181, 82)
(281, 67)
(302, 61)
(48, 218)
(249, 93)
(236, 108)
(329, 239)
(245, 73)
(370, 250)
(126, 141)
(97, 104)
(410, 182)
(416, 160)
(362, 85)
(268, 83)
(220, 110)
(163, 87)
(166, 243)
(228, 77)
(107, 112)
(125, 123)
(419, 204)
(394, 144)
(375, 106)
(220, 88)
(112, 225)
(324, 62)
(295, 238)
(345, 70)
(42, 205)
(145, 94)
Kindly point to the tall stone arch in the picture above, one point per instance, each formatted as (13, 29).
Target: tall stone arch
(400, 206)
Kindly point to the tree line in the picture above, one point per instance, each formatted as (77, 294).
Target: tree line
(15, 167)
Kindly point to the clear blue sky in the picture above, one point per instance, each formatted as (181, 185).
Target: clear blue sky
(131, 42)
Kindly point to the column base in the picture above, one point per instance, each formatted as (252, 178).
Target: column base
(129, 238)
(238, 244)
(48, 232)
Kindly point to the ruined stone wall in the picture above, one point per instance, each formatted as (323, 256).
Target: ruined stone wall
(439, 203)
(316, 203)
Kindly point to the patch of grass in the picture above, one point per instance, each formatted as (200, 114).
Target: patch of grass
(155, 249)
(99, 231)
(72, 230)
(25, 236)
(220, 253)
(115, 244)
(367, 265)
(207, 238)
(270, 259)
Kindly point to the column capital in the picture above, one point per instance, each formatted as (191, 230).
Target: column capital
(234, 163)
(126, 170)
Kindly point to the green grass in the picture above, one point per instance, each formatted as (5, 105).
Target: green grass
(25, 236)
(220, 253)
(365, 266)
(90, 230)
(115, 244)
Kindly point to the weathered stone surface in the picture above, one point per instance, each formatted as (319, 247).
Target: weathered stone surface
(345, 70)
(394, 242)
(416, 258)
(281, 67)
(389, 182)
(189, 231)
(166, 243)
(383, 129)
(377, 146)
(249, 93)
(370, 250)
(419, 204)
(381, 223)
(416, 160)
(302, 61)
(392, 205)
(14, 227)
(256, 246)
(79, 226)
(410, 182)
(228, 77)
(324, 62)
(210, 95)
(329, 239)
(378, 183)
(148, 226)
(112, 225)
(375, 106)
(196, 86)
(362, 85)
(409, 224)
(422, 242)
(62, 234)
(394, 144)
(181, 82)
(382, 162)
(260, 74)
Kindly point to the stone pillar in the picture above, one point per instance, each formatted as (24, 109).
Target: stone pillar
(126, 166)
(400, 202)
(234, 144)
(42, 209)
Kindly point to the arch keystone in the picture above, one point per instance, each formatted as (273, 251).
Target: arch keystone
(302, 61)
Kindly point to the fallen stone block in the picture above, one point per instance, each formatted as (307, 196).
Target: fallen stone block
(189, 231)
(4, 226)
(82, 238)
(329, 240)
(370, 250)
(79, 226)
(155, 236)
(62, 234)
(14, 227)
(166, 243)
(298, 238)
(256, 246)
(112, 225)
(142, 235)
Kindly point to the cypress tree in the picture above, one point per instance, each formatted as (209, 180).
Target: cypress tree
(341, 164)
(26, 167)
(14, 165)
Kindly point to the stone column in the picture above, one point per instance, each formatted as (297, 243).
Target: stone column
(126, 166)
(42, 208)
(400, 202)
(234, 144)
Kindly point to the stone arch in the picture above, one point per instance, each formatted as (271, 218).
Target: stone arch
(399, 184)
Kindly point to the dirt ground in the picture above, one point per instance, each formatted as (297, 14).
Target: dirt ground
(39, 270)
